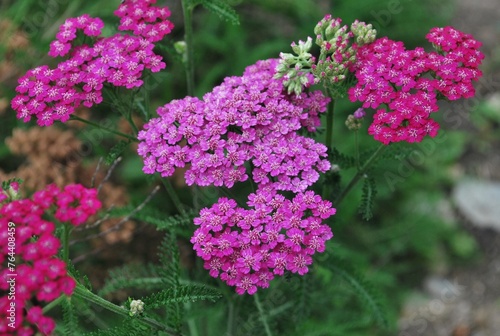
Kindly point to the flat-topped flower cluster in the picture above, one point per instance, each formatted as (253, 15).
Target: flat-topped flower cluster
(53, 94)
(410, 82)
(247, 248)
(245, 120)
(41, 274)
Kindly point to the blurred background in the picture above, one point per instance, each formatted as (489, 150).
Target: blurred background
(431, 251)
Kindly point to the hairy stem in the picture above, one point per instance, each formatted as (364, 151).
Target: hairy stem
(73, 117)
(173, 195)
(87, 295)
(356, 144)
(262, 315)
(359, 174)
(53, 304)
(187, 11)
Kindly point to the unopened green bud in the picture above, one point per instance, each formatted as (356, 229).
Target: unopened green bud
(353, 123)
(180, 47)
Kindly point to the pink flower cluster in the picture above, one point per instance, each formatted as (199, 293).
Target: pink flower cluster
(118, 60)
(144, 20)
(248, 122)
(40, 274)
(247, 248)
(410, 82)
(247, 119)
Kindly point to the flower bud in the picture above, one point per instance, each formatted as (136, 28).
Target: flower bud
(353, 123)
(136, 307)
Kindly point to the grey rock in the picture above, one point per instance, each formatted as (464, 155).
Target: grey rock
(479, 202)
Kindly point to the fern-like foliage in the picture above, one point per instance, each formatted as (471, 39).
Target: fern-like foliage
(363, 289)
(181, 294)
(169, 271)
(340, 159)
(70, 318)
(339, 89)
(397, 151)
(116, 151)
(368, 197)
(76, 274)
(129, 327)
(154, 217)
(143, 276)
(223, 9)
(303, 297)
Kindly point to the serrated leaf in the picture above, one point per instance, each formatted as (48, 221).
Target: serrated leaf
(362, 288)
(222, 9)
(129, 327)
(116, 151)
(340, 159)
(181, 294)
(367, 200)
(143, 276)
(154, 217)
(70, 318)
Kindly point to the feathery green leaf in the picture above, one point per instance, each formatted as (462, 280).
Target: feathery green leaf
(363, 289)
(222, 9)
(181, 294)
(116, 151)
(367, 200)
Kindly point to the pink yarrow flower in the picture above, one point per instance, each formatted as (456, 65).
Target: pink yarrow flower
(120, 60)
(245, 119)
(245, 255)
(410, 82)
(41, 275)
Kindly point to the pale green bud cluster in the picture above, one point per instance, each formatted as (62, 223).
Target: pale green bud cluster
(295, 68)
(363, 33)
(338, 46)
(353, 123)
(338, 51)
(136, 307)
(328, 31)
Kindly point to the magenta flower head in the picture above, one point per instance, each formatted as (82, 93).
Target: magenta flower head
(247, 248)
(410, 82)
(53, 94)
(40, 276)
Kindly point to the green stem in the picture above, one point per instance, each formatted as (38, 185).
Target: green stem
(173, 195)
(132, 124)
(359, 174)
(356, 144)
(187, 11)
(329, 123)
(230, 318)
(53, 304)
(193, 330)
(87, 295)
(262, 315)
(73, 117)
